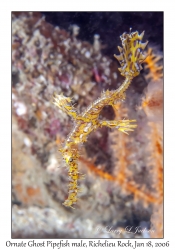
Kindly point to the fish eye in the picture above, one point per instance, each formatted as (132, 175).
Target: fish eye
(70, 159)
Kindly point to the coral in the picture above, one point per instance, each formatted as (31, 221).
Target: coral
(130, 59)
(122, 181)
(153, 64)
(152, 104)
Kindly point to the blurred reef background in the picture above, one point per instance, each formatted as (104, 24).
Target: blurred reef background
(72, 53)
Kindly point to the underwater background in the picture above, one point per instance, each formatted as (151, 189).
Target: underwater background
(72, 53)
